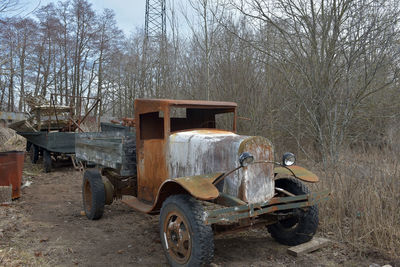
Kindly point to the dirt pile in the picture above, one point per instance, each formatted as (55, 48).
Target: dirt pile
(10, 140)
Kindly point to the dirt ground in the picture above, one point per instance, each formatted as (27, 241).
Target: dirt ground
(45, 227)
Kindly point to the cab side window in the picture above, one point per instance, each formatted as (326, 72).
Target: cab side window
(151, 125)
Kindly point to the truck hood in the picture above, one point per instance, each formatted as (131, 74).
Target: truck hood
(198, 152)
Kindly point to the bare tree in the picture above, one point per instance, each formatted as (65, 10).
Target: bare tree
(106, 42)
(324, 48)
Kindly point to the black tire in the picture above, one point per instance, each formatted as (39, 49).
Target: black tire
(28, 146)
(93, 194)
(300, 228)
(34, 153)
(47, 164)
(183, 213)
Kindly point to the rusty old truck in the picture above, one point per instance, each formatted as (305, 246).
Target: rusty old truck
(183, 160)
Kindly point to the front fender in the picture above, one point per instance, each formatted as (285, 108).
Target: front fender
(199, 186)
(298, 172)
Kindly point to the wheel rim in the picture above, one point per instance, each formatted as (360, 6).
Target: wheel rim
(177, 237)
(88, 196)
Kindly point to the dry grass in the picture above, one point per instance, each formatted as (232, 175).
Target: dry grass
(20, 257)
(13, 251)
(364, 208)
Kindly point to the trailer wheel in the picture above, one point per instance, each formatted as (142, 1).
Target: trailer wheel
(93, 194)
(47, 161)
(34, 153)
(300, 228)
(28, 146)
(186, 240)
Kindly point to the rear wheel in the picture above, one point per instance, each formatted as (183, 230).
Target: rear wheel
(186, 240)
(34, 153)
(28, 146)
(93, 194)
(47, 161)
(303, 225)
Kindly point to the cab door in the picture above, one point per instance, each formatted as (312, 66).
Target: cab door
(151, 153)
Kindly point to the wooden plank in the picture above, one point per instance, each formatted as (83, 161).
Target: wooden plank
(314, 244)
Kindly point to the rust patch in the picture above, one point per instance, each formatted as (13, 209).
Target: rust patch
(257, 183)
(274, 201)
(200, 186)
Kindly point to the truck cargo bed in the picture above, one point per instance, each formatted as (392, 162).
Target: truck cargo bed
(114, 148)
(60, 142)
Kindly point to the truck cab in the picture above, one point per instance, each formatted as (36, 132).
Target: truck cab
(159, 122)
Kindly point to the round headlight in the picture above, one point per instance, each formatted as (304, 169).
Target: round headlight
(245, 159)
(288, 159)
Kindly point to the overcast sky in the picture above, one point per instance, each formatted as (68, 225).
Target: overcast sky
(129, 14)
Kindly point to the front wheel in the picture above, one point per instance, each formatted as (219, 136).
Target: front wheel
(186, 240)
(303, 225)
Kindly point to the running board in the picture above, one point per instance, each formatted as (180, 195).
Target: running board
(136, 204)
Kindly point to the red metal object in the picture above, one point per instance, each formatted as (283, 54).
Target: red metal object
(6, 166)
(11, 165)
(19, 157)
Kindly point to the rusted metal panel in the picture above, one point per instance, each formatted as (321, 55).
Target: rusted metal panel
(200, 186)
(137, 204)
(152, 170)
(297, 171)
(234, 214)
(7, 168)
(149, 105)
(11, 165)
(257, 181)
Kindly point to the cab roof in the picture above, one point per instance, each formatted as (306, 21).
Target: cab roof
(187, 103)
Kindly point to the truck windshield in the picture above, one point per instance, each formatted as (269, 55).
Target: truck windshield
(183, 118)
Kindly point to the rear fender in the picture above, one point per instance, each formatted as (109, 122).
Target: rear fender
(298, 172)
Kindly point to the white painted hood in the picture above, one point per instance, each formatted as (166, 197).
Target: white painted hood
(198, 152)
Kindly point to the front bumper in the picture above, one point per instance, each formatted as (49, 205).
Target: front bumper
(235, 213)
